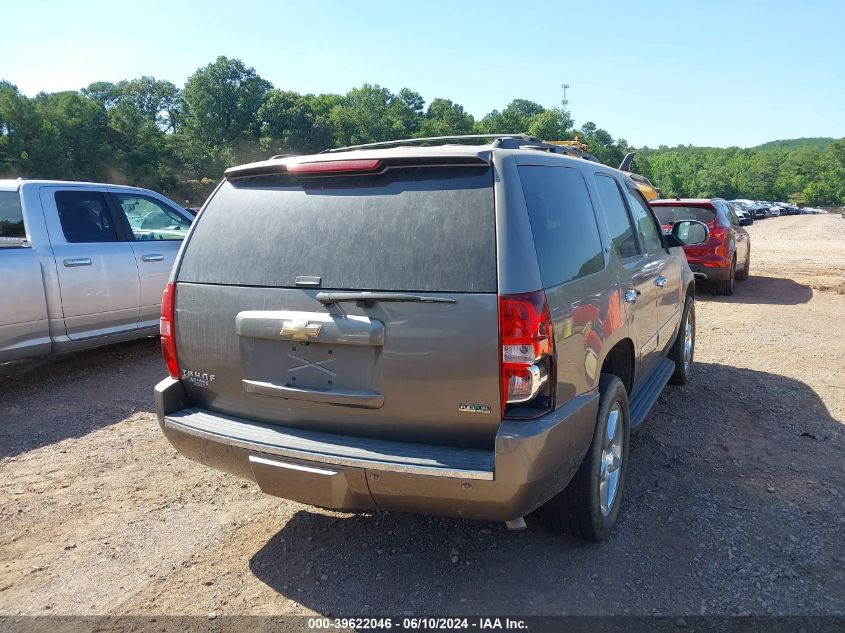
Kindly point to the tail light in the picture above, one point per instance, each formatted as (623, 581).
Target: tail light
(717, 239)
(528, 359)
(168, 332)
(328, 167)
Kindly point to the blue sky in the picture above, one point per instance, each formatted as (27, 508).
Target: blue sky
(675, 72)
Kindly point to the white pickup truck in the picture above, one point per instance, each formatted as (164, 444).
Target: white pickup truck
(82, 264)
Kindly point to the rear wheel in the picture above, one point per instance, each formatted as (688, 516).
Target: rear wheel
(727, 287)
(743, 274)
(683, 349)
(589, 506)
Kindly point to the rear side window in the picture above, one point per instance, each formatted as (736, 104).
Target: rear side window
(12, 230)
(85, 217)
(618, 221)
(419, 229)
(670, 215)
(563, 223)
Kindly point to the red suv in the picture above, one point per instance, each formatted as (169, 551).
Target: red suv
(726, 255)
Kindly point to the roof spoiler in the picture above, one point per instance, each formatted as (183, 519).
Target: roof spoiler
(325, 167)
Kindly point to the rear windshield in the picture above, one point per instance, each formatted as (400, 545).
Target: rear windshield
(420, 229)
(670, 215)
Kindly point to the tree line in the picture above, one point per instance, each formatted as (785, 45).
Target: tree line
(801, 173)
(151, 133)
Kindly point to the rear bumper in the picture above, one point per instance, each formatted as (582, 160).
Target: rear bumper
(532, 461)
(711, 273)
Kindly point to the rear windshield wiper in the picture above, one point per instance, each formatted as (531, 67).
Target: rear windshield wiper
(367, 299)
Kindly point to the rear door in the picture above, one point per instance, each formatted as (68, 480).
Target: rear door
(98, 278)
(668, 280)
(638, 269)
(258, 337)
(155, 230)
(647, 278)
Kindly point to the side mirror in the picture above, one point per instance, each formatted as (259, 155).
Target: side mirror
(690, 232)
(746, 221)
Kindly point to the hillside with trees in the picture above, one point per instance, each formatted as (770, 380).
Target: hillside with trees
(151, 133)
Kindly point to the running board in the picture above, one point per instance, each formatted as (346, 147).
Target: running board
(643, 401)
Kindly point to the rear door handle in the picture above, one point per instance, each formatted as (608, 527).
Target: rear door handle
(660, 281)
(152, 258)
(631, 295)
(77, 261)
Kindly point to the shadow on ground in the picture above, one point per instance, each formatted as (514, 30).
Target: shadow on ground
(718, 491)
(761, 290)
(52, 399)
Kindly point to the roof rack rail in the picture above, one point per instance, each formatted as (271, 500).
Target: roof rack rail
(567, 150)
(502, 141)
(429, 139)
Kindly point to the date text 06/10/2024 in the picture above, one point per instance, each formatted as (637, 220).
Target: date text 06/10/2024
(418, 623)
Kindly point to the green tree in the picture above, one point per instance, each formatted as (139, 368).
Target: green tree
(220, 121)
(517, 115)
(492, 123)
(364, 116)
(291, 125)
(406, 112)
(446, 118)
(551, 125)
(140, 152)
(72, 141)
(221, 102)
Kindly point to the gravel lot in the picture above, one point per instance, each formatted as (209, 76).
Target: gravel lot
(734, 501)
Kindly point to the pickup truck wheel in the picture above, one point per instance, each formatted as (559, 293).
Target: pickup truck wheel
(742, 275)
(683, 349)
(589, 506)
(727, 287)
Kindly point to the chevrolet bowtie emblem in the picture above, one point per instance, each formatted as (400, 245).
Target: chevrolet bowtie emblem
(300, 330)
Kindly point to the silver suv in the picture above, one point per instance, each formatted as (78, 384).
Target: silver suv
(428, 326)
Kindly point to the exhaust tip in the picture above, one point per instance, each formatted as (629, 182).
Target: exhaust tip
(516, 524)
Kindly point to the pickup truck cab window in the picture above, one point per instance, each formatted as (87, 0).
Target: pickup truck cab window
(150, 219)
(85, 217)
(12, 230)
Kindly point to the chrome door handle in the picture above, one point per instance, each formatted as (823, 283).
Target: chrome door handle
(660, 281)
(152, 258)
(631, 295)
(77, 261)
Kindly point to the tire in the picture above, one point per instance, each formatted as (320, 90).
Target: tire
(743, 274)
(578, 509)
(678, 353)
(727, 287)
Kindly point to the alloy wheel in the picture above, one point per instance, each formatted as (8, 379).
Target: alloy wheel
(689, 340)
(611, 460)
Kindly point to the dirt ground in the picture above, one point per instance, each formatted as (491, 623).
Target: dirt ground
(734, 503)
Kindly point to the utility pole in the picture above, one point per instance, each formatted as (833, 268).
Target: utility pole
(564, 102)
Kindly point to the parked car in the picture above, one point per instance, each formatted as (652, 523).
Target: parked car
(788, 209)
(726, 255)
(771, 210)
(83, 264)
(757, 210)
(456, 329)
(741, 214)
